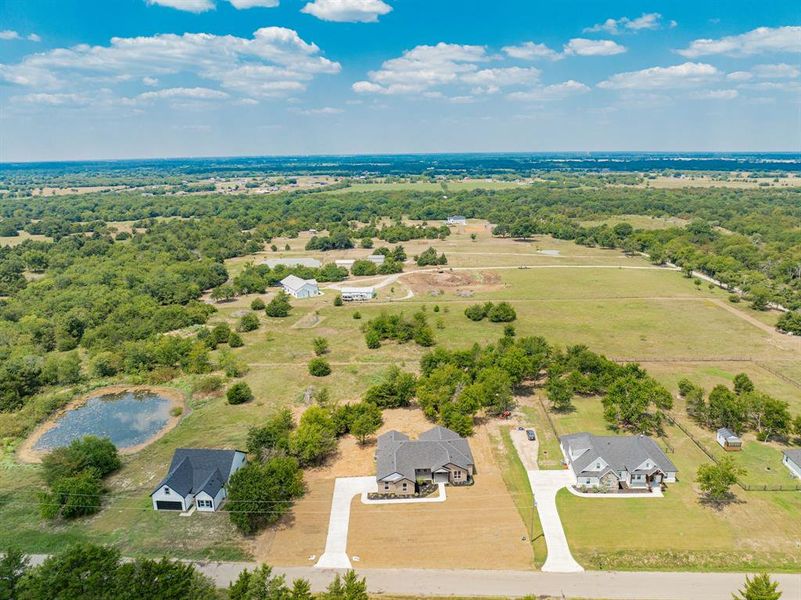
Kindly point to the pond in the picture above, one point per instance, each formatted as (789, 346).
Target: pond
(127, 418)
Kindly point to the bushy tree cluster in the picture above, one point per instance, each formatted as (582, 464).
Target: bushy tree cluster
(74, 476)
(503, 312)
(430, 257)
(396, 390)
(398, 328)
(743, 409)
(93, 572)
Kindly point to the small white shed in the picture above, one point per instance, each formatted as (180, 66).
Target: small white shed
(728, 440)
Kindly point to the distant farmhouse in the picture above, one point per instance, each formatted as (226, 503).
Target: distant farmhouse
(728, 440)
(300, 261)
(197, 476)
(792, 460)
(377, 259)
(616, 463)
(300, 288)
(357, 294)
(457, 220)
(346, 263)
(436, 456)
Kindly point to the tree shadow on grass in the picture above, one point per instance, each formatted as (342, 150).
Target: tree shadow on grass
(719, 504)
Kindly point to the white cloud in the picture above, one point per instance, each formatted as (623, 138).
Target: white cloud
(739, 76)
(318, 112)
(9, 34)
(196, 93)
(423, 68)
(245, 4)
(52, 99)
(615, 26)
(585, 47)
(685, 75)
(32, 37)
(715, 95)
(490, 81)
(274, 62)
(193, 6)
(757, 41)
(347, 11)
(531, 51)
(150, 81)
(779, 71)
(557, 91)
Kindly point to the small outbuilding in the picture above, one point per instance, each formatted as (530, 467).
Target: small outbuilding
(792, 460)
(728, 440)
(300, 288)
(300, 261)
(347, 263)
(197, 476)
(377, 259)
(357, 294)
(457, 220)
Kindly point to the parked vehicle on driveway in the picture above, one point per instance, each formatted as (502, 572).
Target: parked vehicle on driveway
(531, 435)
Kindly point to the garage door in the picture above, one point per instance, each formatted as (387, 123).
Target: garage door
(168, 505)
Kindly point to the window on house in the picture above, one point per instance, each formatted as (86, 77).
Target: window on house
(166, 490)
(386, 486)
(404, 486)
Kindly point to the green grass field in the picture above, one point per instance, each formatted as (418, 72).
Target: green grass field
(577, 296)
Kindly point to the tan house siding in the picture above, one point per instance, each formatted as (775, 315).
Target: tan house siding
(396, 487)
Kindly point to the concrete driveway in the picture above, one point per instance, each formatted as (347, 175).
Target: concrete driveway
(336, 544)
(528, 450)
(545, 485)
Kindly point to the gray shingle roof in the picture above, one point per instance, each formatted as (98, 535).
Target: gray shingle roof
(621, 453)
(728, 434)
(794, 455)
(195, 470)
(434, 449)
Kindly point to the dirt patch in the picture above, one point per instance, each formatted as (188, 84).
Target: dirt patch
(308, 321)
(27, 453)
(476, 527)
(460, 282)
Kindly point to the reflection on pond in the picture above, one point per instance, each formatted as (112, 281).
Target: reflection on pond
(127, 418)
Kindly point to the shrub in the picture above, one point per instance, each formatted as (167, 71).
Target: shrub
(502, 313)
(239, 393)
(338, 300)
(249, 322)
(87, 453)
(319, 367)
(320, 345)
(235, 340)
(279, 306)
(357, 315)
(257, 304)
(475, 312)
(220, 333)
(207, 385)
(71, 497)
(105, 364)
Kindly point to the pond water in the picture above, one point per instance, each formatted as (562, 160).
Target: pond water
(126, 418)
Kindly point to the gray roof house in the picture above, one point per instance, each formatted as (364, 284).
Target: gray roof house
(197, 476)
(617, 462)
(438, 455)
(300, 288)
(792, 460)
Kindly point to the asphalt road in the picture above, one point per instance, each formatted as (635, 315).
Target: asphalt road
(608, 585)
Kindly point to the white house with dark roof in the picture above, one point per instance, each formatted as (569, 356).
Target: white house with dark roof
(300, 288)
(617, 462)
(197, 476)
(457, 220)
(792, 460)
(438, 455)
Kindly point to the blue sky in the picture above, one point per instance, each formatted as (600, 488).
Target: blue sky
(82, 79)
